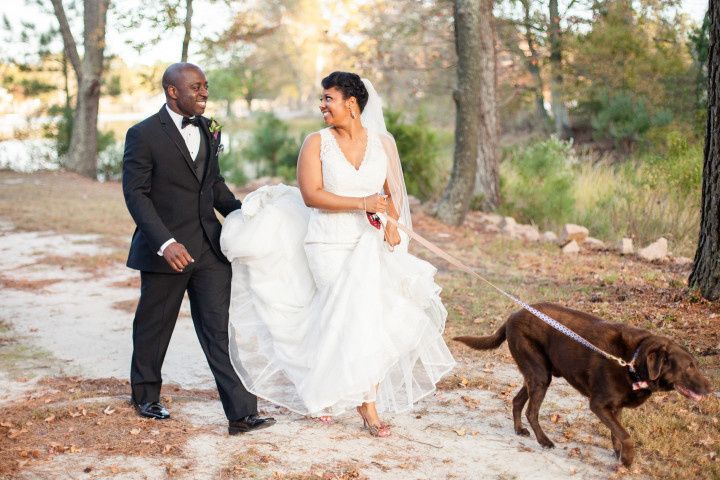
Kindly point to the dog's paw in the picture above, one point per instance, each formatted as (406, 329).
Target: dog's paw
(546, 443)
(523, 432)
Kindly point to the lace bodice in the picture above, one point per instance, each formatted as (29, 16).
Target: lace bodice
(339, 175)
(341, 178)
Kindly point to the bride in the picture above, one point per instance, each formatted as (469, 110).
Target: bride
(329, 311)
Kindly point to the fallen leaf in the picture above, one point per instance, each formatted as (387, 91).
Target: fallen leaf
(108, 410)
(148, 441)
(6, 424)
(75, 414)
(470, 402)
(114, 469)
(14, 433)
(460, 431)
(154, 432)
(134, 431)
(555, 418)
(50, 418)
(167, 448)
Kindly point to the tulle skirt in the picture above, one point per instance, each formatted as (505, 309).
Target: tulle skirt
(321, 327)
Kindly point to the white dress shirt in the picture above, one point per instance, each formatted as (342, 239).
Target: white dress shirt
(191, 135)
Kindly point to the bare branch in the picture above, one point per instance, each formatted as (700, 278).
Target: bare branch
(67, 36)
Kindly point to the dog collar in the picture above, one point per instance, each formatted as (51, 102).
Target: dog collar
(638, 383)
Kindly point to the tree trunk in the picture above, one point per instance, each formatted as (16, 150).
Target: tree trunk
(559, 110)
(487, 181)
(455, 201)
(82, 156)
(188, 30)
(533, 66)
(706, 268)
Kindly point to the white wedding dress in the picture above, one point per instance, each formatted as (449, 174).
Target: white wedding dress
(322, 310)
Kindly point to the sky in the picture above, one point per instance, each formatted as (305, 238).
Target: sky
(208, 20)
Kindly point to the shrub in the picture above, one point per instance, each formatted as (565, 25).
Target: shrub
(419, 147)
(623, 119)
(537, 183)
(272, 147)
(110, 162)
(230, 162)
(649, 196)
(61, 132)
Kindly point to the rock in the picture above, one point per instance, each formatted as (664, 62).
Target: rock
(507, 225)
(594, 243)
(549, 237)
(655, 251)
(571, 248)
(491, 218)
(573, 232)
(625, 246)
(527, 232)
(490, 228)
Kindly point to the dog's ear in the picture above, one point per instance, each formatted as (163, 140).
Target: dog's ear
(656, 360)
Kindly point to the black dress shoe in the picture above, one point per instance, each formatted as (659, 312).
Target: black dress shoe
(249, 423)
(152, 410)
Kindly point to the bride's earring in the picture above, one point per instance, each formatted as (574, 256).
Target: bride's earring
(352, 113)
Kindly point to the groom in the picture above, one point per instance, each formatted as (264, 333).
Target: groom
(172, 184)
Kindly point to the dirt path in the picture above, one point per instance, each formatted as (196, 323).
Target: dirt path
(67, 319)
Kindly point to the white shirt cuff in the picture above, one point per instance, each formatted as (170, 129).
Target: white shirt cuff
(164, 246)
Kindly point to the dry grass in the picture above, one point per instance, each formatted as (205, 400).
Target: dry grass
(94, 264)
(31, 285)
(74, 415)
(63, 202)
(128, 306)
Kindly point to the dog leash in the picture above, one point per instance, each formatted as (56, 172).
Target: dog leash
(545, 318)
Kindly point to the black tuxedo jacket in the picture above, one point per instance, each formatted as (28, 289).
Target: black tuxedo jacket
(165, 196)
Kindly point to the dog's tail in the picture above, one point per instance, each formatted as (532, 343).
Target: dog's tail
(484, 343)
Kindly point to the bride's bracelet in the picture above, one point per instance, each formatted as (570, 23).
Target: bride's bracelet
(364, 204)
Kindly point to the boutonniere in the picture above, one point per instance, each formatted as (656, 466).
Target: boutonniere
(215, 128)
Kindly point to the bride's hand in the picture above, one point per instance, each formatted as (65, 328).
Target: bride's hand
(375, 203)
(392, 236)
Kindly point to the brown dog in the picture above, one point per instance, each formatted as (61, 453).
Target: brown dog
(542, 352)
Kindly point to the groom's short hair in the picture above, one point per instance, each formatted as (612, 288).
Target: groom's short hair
(173, 72)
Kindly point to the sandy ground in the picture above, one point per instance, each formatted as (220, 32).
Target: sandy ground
(73, 329)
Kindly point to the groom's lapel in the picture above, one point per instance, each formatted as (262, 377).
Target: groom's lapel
(172, 132)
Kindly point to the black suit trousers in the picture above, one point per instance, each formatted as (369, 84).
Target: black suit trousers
(207, 282)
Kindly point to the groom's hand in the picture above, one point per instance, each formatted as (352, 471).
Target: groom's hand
(177, 256)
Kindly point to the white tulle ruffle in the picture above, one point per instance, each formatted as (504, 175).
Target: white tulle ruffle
(314, 326)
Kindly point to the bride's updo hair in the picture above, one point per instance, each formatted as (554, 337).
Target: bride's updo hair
(349, 84)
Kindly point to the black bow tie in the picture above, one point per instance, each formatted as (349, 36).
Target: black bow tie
(190, 121)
